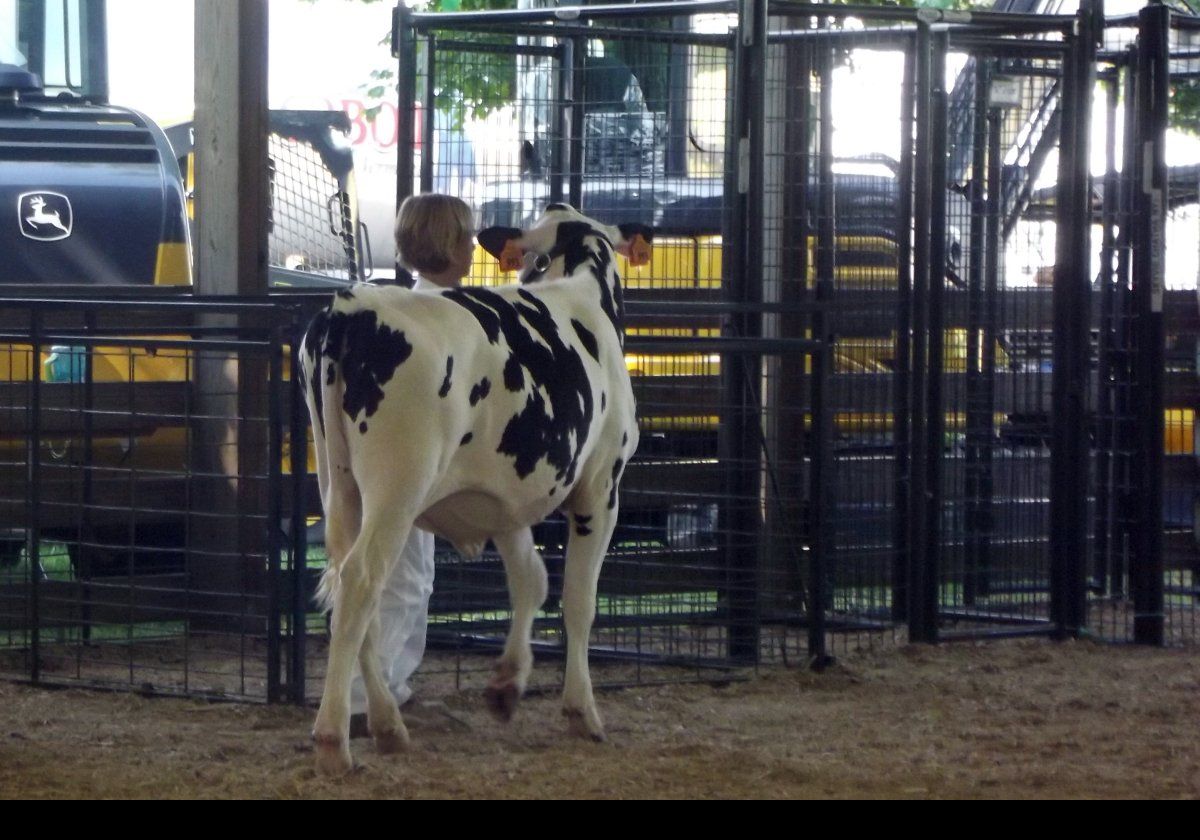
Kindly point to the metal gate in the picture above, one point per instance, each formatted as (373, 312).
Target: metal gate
(941, 248)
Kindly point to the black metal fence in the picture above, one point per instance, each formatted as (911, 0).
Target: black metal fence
(152, 523)
(905, 367)
(946, 246)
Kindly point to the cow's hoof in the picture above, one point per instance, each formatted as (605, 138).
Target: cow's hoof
(585, 724)
(388, 743)
(502, 699)
(333, 755)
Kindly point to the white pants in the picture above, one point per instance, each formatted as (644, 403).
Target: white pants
(403, 616)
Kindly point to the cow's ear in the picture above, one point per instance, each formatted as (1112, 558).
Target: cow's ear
(501, 243)
(635, 243)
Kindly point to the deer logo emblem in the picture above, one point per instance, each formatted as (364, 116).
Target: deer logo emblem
(44, 215)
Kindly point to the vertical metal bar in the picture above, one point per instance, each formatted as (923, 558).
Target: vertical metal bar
(936, 410)
(274, 514)
(741, 373)
(978, 426)
(86, 533)
(1150, 196)
(820, 589)
(902, 376)
(404, 49)
(1104, 524)
(34, 475)
(920, 627)
(560, 97)
(575, 159)
(1124, 504)
(678, 69)
(1069, 454)
(993, 235)
(429, 108)
(298, 446)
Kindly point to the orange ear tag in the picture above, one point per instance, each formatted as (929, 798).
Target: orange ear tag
(512, 258)
(639, 251)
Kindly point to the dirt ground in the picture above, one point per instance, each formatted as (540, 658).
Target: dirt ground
(1001, 720)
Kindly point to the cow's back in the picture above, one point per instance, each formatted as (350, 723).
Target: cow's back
(502, 396)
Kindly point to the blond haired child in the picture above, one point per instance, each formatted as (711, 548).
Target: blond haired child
(435, 239)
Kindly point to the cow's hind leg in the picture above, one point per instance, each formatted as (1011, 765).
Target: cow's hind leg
(355, 606)
(586, 546)
(383, 718)
(527, 585)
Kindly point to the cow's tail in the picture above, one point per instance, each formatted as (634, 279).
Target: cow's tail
(325, 393)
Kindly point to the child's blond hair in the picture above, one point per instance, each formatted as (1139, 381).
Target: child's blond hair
(428, 229)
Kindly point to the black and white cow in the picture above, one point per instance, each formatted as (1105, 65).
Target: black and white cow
(473, 413)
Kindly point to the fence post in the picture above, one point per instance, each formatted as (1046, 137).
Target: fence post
(428, 109)
(821, 521)
(935, 414)
(33, 449)
(1105, 528)
(298, 447)
(978, 375)
(1149, 199)
(922, 616)
(901, 415)
(274, 514)
(1070, 454)
(739, 372)
(404, 50)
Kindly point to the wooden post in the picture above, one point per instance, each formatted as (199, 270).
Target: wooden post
(232, 203)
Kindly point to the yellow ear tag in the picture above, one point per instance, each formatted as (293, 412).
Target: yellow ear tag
(512, 258)
(639, 251)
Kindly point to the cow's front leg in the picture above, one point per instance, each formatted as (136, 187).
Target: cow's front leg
(527, 586)
(587, 544)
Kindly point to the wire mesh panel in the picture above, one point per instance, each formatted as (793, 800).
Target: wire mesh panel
(313, 226)
(1181, 399)
(1144, 578)
(833, 246)
(143, 495)
(997, 340)
(627, 120)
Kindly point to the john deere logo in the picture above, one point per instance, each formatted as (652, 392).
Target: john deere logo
(44, 215)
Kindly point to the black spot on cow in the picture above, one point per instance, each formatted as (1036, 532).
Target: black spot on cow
(466, 438)
(587, 339)
(314, 340)
(514, 379)
(581, 524)
(368, 354)
(362, 427)
(618, 466)
(345, 294)
(555, 422)
(557, 370)
(445, 389)
(476, 301)
(481, 390)
(553, 490)
(331, 373)
(624, 439)
(301, 379)
(603, 400)
(583, 246)
(557, 205)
